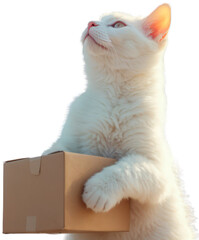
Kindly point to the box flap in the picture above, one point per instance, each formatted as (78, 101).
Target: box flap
(35, 165)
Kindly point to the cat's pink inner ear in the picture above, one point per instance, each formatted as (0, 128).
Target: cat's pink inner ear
(158, 22)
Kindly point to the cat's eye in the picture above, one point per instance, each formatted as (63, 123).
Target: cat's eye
(118, 24)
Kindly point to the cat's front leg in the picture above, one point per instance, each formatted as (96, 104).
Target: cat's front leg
(133, 176)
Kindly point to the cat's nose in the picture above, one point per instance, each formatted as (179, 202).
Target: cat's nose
(92, 24)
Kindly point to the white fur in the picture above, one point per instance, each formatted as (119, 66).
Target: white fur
(121, 115)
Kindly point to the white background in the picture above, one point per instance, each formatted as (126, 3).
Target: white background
(41, 71)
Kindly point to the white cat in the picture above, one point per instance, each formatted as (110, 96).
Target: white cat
(121, 115)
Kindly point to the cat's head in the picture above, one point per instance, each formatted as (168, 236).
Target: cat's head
(124, 41)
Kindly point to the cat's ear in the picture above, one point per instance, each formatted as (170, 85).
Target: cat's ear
(157, 24)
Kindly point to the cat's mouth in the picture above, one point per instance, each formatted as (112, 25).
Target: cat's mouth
(89, 36)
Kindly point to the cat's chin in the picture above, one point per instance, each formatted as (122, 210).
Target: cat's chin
(93, 46)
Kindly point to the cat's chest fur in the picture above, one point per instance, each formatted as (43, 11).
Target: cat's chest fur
(109, 129)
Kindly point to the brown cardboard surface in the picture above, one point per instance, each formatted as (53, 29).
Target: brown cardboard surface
(43, 195)
(27, 195)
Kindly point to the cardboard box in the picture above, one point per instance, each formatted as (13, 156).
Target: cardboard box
(43, 195)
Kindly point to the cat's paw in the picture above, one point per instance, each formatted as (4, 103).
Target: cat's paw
(100, 195)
